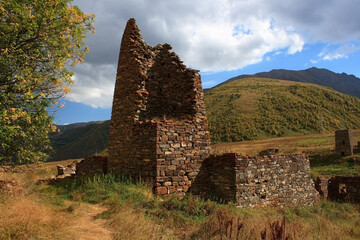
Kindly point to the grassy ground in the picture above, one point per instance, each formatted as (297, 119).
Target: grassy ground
(114, 207)
(319, 147)
(131, 211)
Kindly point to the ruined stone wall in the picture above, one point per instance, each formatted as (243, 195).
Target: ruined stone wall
(158, 127)
(91, 165)
(172, 88)
(344, 189)
(321, 185)
(275, 180)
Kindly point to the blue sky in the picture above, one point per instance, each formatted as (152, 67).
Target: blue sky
(221, 38)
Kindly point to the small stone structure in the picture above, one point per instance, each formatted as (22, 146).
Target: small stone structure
(344, 142)
(340, 188)
(88, 166)
(66, 171)
(275, 180)
(11, 187)
(158, 129)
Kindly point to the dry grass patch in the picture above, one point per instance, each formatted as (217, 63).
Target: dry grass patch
(26, 218)
(130, 223)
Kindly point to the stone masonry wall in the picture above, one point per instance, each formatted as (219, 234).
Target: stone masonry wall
(181, 148)
(274, 180)
(217, 178)
(158, 127)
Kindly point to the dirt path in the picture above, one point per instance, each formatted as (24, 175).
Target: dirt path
(89, 228)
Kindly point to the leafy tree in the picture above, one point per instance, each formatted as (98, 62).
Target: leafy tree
(39, 41)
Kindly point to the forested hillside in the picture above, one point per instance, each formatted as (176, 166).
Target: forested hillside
(81, 141)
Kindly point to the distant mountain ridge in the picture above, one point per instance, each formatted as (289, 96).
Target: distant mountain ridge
(80, 140)
(342, 82)
(67, 127)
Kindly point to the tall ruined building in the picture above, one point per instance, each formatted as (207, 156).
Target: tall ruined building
(158, 126)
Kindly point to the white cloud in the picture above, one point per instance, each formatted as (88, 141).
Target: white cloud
(338, 53)
(212, 35)
(95, 89)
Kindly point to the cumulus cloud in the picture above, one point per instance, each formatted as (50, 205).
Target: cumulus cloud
(214, 35)
(340, 52)
(94, 85)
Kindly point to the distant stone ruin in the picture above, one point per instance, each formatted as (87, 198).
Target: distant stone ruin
(339, 188)
(344, 143)
(159, 133)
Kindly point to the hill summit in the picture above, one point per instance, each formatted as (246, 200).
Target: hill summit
(342, 82)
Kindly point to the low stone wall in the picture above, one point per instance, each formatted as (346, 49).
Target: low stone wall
(344, 189)
(91, 165)
(275, 180)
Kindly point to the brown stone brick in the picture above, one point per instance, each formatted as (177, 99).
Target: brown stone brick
(161, 190)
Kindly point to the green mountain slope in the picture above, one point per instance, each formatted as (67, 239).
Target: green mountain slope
(80, 142)
(255, 108)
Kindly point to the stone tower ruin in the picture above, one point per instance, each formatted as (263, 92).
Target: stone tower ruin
(159, 133)
(158, 128)
(344, 142)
